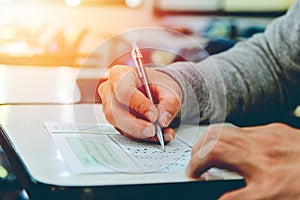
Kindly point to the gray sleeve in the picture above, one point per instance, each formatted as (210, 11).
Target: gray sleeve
(257, 77)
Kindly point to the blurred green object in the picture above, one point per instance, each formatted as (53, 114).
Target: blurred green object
(222, 7)
(3, 172)
(220, 29)
(8, 180)
(256, 5)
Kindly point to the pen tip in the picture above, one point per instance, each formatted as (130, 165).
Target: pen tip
(162, 143)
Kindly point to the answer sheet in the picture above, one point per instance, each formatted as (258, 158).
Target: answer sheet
(99, 148)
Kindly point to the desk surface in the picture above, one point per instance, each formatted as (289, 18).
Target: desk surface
(24, 132)
(38, 85)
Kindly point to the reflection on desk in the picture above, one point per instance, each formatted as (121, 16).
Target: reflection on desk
(19, 85)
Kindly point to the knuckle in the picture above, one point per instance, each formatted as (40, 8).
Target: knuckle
(103, 88)
(214, 132)
(123, 95)
(217, 150)
(115, 70)
(140, 107)
(174, 103)
(278, 125)
(123, 87)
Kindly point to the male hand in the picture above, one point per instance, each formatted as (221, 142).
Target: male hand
(268, 157)
(128, 109)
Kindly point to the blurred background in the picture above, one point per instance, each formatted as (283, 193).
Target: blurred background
(44, 45)
(39, 34)
(64, 32)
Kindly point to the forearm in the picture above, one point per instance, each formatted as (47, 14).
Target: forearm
(258, 76)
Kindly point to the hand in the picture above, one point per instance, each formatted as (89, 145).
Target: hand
(268, 157)
(128, 109)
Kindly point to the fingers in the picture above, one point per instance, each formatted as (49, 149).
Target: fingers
(125, 84)
(169, 97)
(128, 124)
(120, 117)
(169, 135)
(227, 151)
(260, 154)
(209, 138)
(126, 107)
(216, 158)
(168, 107)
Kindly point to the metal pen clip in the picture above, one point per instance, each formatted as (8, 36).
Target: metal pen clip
(137, 58)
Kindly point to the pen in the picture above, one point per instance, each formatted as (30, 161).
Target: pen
(137, 57)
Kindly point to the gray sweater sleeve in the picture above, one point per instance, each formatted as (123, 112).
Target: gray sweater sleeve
(260, 76)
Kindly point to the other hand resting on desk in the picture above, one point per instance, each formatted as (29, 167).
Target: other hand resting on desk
(268, 157)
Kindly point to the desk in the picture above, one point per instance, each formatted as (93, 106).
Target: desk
(36, 85)
(44, 175)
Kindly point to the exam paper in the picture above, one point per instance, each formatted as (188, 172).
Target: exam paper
(99, 148)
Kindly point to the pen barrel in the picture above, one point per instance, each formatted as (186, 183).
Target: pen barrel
(147, 89)
(144, 78)
(137, 57)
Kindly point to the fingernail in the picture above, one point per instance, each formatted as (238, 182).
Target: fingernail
(165, 118)
(168, 137)
(151, 116)
(149, 131)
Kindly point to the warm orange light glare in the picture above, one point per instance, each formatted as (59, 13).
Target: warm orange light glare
(133, 3)
(73, 2)
(7, 33)
(6, 1)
